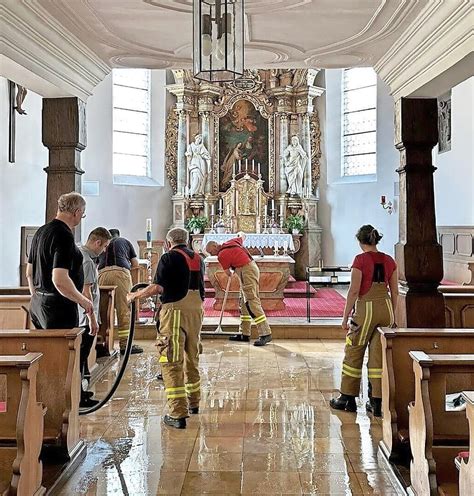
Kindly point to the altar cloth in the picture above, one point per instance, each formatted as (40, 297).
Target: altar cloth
(253, 240)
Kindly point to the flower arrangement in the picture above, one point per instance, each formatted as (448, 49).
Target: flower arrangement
(196, 224)
(295, 223)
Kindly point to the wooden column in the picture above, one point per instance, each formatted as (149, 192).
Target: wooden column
(418, 253)
(64, 134)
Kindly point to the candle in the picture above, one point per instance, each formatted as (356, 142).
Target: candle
(273, 204)
(212, 209)
(240, 166)
(276, 246)
(281, 211)
(246, 165)
(233, 170)
(253, 165)
(148, 233)
(220, 203)
(259, 171)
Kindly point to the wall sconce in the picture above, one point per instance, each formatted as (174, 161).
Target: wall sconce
(386, 205)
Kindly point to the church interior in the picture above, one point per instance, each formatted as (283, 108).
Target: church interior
(289, 123)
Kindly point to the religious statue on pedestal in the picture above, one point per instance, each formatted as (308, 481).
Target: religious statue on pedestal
(294, 159)
(197, 158)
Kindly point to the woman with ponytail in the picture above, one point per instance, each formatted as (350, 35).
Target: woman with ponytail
(372, 298)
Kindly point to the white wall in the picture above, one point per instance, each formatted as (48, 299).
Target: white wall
(454, 179)
(119, 206)
(346, 205)
(22, 184)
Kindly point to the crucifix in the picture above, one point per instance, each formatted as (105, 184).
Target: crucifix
(15, 100)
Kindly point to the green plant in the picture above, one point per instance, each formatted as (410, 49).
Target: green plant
(196, 223)
(295, 222)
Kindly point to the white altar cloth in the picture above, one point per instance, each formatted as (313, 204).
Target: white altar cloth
(253, 240)
(258, 258)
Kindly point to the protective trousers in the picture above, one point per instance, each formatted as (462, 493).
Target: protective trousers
(372, 310)
(178, 344)
(250, 305)
(122, 279)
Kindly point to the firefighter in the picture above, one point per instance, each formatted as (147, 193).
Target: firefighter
(373, 275)
(233, 256)
(180, 280)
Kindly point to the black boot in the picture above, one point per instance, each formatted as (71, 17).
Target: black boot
(240, 337)
(263, 340)
(87, 402)
(344, 402)
(176, 423)
(194, 410)
(159, 376)
(374, 406)
(134, 351)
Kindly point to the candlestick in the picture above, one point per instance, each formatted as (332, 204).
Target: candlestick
(220, 204)
(148, 233)
(212, 209)
(273, 205)
(276, 248)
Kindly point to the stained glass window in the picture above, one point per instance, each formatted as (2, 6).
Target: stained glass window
(359, 131)
(131, 122)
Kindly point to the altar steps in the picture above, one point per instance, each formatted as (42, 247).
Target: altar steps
(294, 289)
(281, 328)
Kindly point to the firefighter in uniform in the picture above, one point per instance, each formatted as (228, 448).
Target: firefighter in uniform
(233, 256)
(180, 280)
(373, 274)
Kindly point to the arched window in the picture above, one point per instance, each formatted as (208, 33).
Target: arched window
(359, 114)
(131, 122)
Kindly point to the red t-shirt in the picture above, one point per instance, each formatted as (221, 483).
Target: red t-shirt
(233, 254)
(365, 262)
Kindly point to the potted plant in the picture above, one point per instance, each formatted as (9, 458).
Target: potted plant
(196, 224)
(295, 224)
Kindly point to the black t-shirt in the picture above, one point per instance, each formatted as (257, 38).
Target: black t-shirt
(175, 277)
(53, 247)
(120, 252)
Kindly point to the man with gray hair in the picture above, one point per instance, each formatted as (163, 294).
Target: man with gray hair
(180, 280)
(54, 270)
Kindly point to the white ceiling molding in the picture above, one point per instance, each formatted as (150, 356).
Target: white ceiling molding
(441, 39)
(33, 39)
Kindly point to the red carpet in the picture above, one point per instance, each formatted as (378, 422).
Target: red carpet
(328, 303)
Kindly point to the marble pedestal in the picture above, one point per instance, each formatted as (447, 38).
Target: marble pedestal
(274, 275)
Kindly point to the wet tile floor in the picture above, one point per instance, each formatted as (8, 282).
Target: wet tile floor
(264, 428)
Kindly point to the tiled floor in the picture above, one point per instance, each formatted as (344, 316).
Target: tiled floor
(264, 428)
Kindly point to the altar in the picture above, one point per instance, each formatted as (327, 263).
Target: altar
(274, 276)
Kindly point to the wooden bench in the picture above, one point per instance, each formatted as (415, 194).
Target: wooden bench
(398, 385)
(466, 467)
(58, 381)
(21, 422)
(459, 306)
(436, 434)
(14, 312)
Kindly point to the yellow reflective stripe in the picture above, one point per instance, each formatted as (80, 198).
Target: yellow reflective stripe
(259, 320)
(192, 384)
(375, 376)
(374, 370)
(195, 389)
(367, 320)
(350, 374)
(375, 373)
(163, 359)
(125, 332)
(348, 367)
(176, 396)
(176, 326)
(180, 388)
(390, 311)
(348, 341)
(246, 318)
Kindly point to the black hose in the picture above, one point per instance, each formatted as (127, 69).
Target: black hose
(126, 356)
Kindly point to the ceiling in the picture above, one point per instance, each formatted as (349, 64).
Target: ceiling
(279, 33)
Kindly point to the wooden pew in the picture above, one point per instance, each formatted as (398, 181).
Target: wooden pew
(21, 421)
(466, 468)
(58, 382)
(436, 434)
(14, 312)
(459, 306)
(105, 336)
(398, 386)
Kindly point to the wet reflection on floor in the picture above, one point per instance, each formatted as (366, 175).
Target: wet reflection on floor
(264, 428)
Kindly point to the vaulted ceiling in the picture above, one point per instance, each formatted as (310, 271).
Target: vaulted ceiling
(279, 33)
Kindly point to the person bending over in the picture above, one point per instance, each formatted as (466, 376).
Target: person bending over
(180, 280)
(233, 256)
(373, 274)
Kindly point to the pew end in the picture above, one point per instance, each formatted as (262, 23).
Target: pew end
(466, 466)
(21, 426)
(437, 434)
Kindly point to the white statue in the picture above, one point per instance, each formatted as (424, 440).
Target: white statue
(198, 158)
(294, 159)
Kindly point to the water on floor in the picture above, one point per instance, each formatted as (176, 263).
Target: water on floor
(264, 428)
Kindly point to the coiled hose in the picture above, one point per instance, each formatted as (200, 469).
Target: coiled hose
(124, 362)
